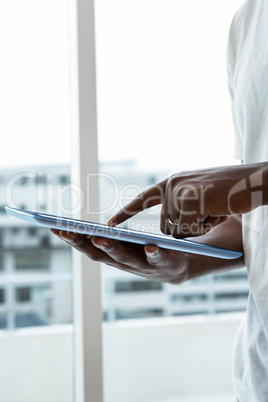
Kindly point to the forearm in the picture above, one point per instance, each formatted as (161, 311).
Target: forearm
(226, 235)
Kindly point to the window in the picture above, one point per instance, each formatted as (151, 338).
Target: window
(1, 261)
(122, 314)
(151, 180)
(36, 267)
(23, 181)
(32, 231)
(23, 294)
(32, 259)
(24, 320)
(64, 179)
(137, 286)
(160, 109)
(37, 93)
(2, 295)
(44, 241)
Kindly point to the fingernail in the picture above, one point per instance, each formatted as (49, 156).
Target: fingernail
(151, 254)
(111, 221)
(152, 251)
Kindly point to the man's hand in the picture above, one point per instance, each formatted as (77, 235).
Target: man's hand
(194, 202)
(157, 264)
(149, 262)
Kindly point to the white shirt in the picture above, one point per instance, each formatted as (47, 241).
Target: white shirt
(247, 62)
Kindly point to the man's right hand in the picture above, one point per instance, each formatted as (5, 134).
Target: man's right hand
(195, 202)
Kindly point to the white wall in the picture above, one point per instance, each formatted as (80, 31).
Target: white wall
(166, 359)
(144, 361)
(36, 365)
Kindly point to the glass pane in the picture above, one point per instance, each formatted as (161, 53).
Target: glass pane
(36, 278)
(163, 107)
(43, 304)
(35, 267)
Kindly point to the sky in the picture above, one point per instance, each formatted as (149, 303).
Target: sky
(161, 83)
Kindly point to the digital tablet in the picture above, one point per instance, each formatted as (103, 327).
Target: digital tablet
(117, 233)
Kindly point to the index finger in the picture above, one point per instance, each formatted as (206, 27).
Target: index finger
(147, 199)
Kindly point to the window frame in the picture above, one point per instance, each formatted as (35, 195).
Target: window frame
(88, 376)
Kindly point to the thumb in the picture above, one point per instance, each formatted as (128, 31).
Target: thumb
(155, 256)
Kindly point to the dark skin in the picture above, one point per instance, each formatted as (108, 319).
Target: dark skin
(196, 201)
(157, 264)
(205, 203)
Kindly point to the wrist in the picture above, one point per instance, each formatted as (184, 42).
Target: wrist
(265, 184)
(257, 183)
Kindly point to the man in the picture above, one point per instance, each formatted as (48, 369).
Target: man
(209, 204)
